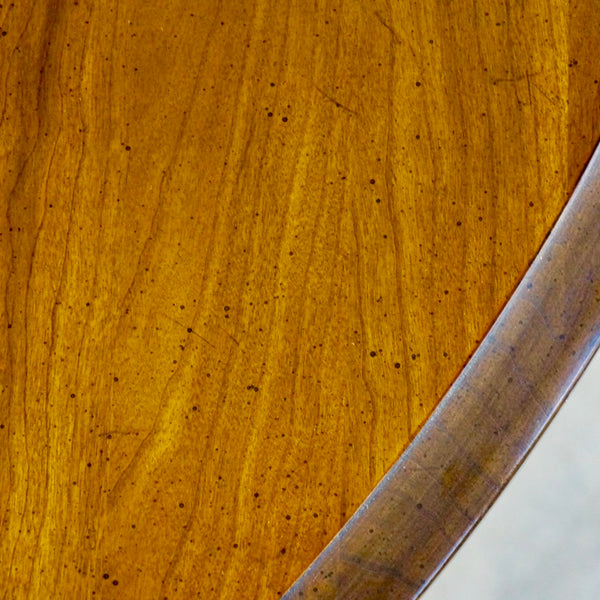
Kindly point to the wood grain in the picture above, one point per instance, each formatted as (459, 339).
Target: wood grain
(483, 428)
(246, 247)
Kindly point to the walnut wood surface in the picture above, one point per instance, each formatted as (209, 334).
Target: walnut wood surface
(246, 247)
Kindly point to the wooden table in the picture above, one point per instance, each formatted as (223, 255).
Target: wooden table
(246, 247)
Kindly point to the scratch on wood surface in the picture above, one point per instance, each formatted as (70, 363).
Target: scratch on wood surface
(395, 35)
(336, 102)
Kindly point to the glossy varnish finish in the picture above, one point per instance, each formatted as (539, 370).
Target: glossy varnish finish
(246, 247)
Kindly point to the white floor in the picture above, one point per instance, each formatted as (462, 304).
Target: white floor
(541, 539)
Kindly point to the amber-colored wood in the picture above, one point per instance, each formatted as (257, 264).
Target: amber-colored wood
(246, 246)
(481, 431)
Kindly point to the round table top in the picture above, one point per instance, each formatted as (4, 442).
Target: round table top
(246, 248)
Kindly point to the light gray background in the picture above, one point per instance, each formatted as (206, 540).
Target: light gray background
(541, 539)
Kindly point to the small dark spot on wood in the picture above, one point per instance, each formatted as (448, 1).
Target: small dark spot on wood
(128, 148)
(284, 119)
(105, 576)
(419, 506)
(397, 365)
(372, 353)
